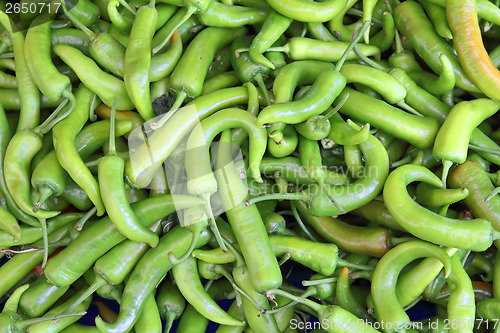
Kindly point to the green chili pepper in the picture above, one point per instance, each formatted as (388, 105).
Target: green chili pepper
(228, 16)
(413, 23)
(135, 77)
(418, 131)
(221, 81)
(430, 196)
(246, 221)
(30, 234)
(137, 289)
(353, 195)
(187, 279)
(171, 303)
(475, 235)
(40, 297)
(186, 80)
(149, 320)
(28, 91)
(187, 30)
(195, 220)
(346, 299)
(292, 170)
(343, 134)
(286, 146)
(363, 240)
(461, 303)
(110, 172)
(304, 11)
(85, 11)
(383, 287)
(8, 221)
(471, 175)
(319, 127)
(438, 86)
(247, 70)
(419, 277)
(70, 264)
(192, 321)
(274, 26)
(144, 162)
(115, 265)
(103, 84)
(20, 151)
(461, 119)
(51, 83)
(50, 174)
(235, 311)
(376, 211)
(437, 15)
(22, 264)
(122, 22)
(311, 160)
(192, 6)
(326, 87)
(385, 38)
(66, 151)
(302, 48)
(253, 303)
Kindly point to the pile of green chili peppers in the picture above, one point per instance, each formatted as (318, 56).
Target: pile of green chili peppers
(249, 166)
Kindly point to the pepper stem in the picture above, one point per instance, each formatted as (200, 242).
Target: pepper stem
(308, 283)
(242, 292)
(484, 150)
(218, 269)
(340, 63)
(330, 197)
(92, 116)
(301, 224)
(170, 317)
(276, 136)
(190, 11)
(85, 218)
(285, 258)
(47, 125)
(175, 261)
(130, 9)
(43, 225)
(492, 194)
(307, 293)
(213, 226)
(20, 324)
(408, 108)
(367, 60)
(112, 120)
(98, 283)
(45, 192)
(90, 34)
(495, 235)
(446, 168)
(52, 116)
(333, 111)
(348, 264)
(270, 294)
(260, 82)
(181, 96)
